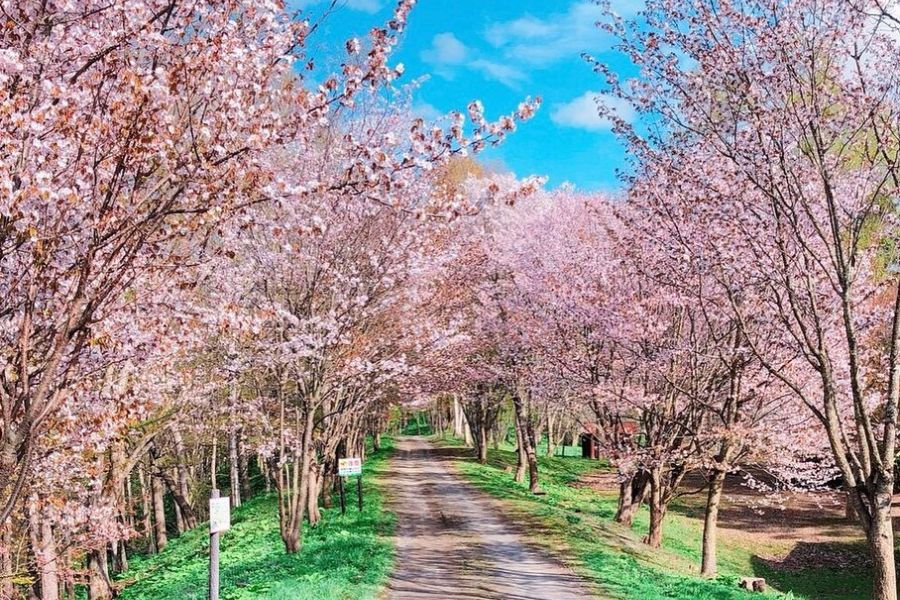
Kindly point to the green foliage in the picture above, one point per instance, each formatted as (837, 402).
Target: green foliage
(417, 424)
(580, 520)
(345, 557)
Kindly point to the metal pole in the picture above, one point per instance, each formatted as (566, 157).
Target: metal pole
(341, 487)
(214, 559)
(359, 490)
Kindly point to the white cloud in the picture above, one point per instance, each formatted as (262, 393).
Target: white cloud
(583, 112)
(445, 49)
(369, 6)
(563, 35)
(447, 54)
(427, 111)
(505, 74)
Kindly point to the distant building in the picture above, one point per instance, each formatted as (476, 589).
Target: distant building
(590, 439)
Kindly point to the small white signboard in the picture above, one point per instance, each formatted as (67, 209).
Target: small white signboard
(219, 514)
(349, 466)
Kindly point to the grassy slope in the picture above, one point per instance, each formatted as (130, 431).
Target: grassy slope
(578, 522)
(345, 557)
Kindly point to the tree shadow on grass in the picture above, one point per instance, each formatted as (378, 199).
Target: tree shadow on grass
(820, 570)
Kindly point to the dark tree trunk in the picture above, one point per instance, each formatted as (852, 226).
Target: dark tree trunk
(234, 468)
(482, 446)
(521, 461)
(631, 495)
(528, 442)
(187, 511)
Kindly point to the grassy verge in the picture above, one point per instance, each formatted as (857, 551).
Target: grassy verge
(345, 557)
(577, 523)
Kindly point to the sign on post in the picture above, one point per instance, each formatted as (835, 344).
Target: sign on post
(348, 467)
(219, 514)
(219, 521)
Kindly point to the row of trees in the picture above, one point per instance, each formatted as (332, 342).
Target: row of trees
(571, 310)
(739, 305)
(204, 253)
(206, 247)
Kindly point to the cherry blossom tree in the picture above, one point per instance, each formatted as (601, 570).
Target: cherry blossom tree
(784, 112)
(139, 140)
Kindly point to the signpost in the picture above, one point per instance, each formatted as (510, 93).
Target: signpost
(219, 521)
(348, 467)
(351, 467)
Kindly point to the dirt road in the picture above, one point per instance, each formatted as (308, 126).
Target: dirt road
(452, 542)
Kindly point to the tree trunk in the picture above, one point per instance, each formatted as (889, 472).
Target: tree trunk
(288, 493)
(265, 471)
(294, 509)
(327, 485)
(234, 468)
(187, 511)
(849, 511)
(467, 430)
(159, 513)
(631, 495)
(304, 473)
(312, 508)
(6, 562)
(457, 418)
(439, 421)
(129, 511)
(183, 473)
(657, 509)
(528, 442)
(521, 461)
(43, 547)
(99, 587)
(376, 441)
(482, 445)
(122, 556)
(531, 454)
(881, 545)
(146, 507)
(551, 439)
(179, 520)
(625, 510)
(243, 467)
(710, 523)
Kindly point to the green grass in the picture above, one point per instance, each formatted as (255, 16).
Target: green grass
(578, 523)
(573, 451)
(345, 557)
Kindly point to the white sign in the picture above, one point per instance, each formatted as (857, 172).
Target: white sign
(349, 466)
(219, 514)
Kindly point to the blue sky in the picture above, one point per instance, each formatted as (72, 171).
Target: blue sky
(500, 51)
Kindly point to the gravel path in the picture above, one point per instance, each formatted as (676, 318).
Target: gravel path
(452, 542)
